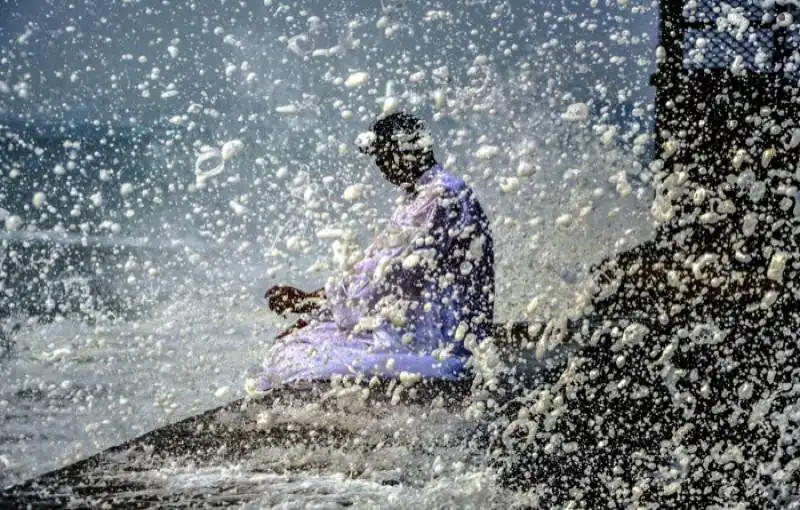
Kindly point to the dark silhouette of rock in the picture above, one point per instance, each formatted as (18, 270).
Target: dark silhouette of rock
(682, 389)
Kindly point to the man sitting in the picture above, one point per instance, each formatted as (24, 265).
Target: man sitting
(424, 286)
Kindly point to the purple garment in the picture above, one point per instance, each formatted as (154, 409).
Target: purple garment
(425, 283)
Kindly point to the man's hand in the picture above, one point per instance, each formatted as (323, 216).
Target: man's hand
(300, 324)
(283, 298)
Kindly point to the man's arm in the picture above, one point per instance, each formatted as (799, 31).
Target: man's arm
(283, 298)
(311, 301)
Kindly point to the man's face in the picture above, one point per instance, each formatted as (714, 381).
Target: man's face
(400, 167)
(393, 168)
(387, 160)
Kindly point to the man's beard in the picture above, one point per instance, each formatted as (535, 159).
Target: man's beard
(398, 178)
(395, 172)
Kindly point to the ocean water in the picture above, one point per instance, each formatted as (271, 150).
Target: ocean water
(132, 286)
(71, 388)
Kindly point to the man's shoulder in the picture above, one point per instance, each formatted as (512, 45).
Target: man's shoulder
(449, 181)
(446, 185)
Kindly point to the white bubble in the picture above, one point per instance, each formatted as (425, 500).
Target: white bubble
(409, 379)
(487, 152)
(784, 20)
(707, 260)
(577, 112)
(294, 243)
(390, 105)
(749, 224)
(288, 108)
(238, 208)
(365, 140)
(97, 199)
(441, 73)
(609, 135)
(299, 45)
(769, 298)
(795, 140)
(565, 220)
(203, 170)
(126, 189)
(738, 65)
(461, 332)
(231, 148)
(56, 354)
(777, 264)
(438, 99)
(745, 391)
(525, 168)
(767, 155)
(173, 51)
(13, 222)
(411, 261)
(356, 79)
(353, 192)
(509, 184)
(39, 199)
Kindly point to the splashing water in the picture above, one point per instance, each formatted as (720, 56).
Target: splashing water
(218, 143)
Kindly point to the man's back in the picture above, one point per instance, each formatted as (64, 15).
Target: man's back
(429, 271)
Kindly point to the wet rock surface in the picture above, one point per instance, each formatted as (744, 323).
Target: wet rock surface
(236, 453)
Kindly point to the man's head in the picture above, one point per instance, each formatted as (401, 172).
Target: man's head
(402, 147)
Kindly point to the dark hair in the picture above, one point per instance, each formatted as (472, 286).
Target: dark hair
(399, 132)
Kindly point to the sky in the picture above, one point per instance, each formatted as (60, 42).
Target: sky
(143, 60)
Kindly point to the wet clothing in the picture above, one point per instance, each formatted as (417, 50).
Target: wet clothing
(424, 286)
